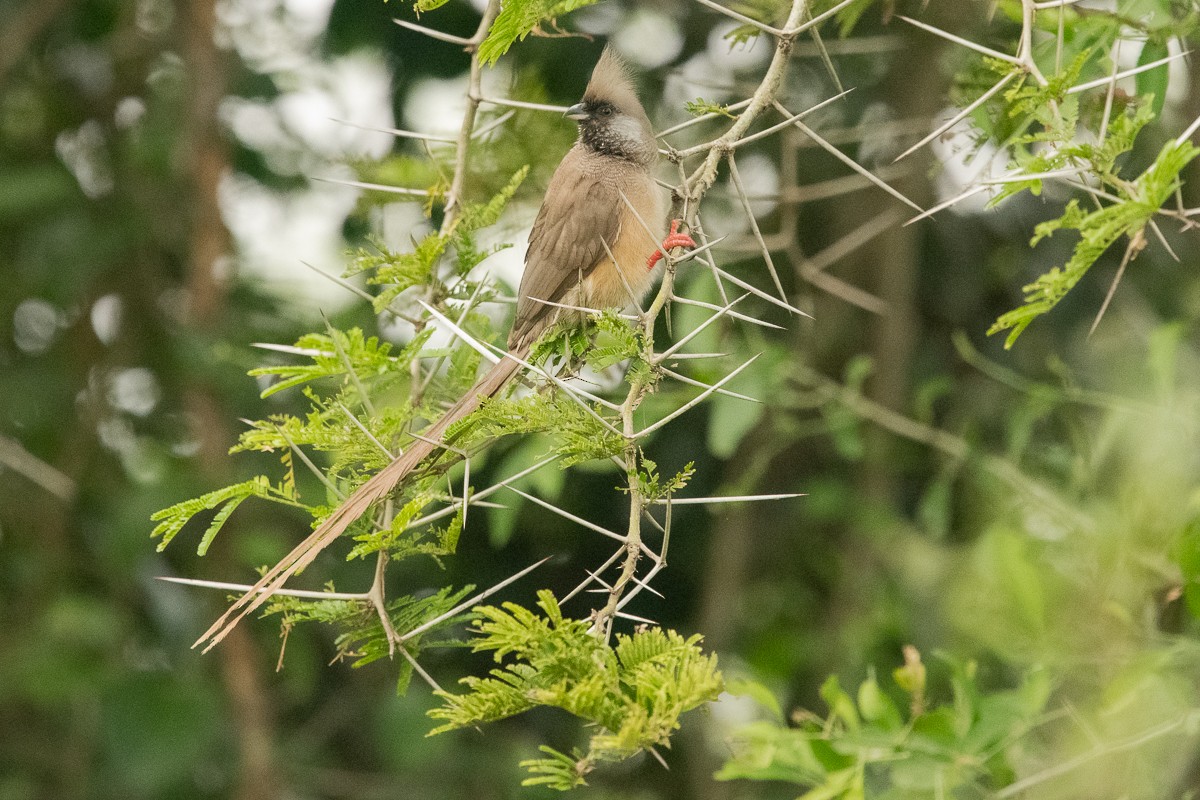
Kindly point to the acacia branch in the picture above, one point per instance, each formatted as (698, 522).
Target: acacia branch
(688, 195)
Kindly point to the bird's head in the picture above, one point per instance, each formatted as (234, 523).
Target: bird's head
(611, 120)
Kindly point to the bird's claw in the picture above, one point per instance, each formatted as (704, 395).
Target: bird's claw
(674, 239)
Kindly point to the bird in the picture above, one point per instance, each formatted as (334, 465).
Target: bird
(589, 248)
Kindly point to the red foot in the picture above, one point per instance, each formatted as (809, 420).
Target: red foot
(674, 239)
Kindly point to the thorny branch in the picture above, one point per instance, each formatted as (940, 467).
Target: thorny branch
(688, 194)
(452, 210)
(1082, 173)
(620, 589)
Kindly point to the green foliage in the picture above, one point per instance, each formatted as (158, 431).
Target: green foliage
(1188, 557)
(958, 748)
(566, 340)
(653, 488)
(427, 5)
(848, 18)
(580, 435)
(363, 638)
(518, 19)
(329, 427)
(1154, 83)
(335, 354)
(768, 12)
(1050, 124)
(398, 272)
(557, 771)
(1031, 102)
(618, 340)
(172, 520)
(1099, 230)
(1100, 159)
(475, 217)
(700, 106)
(633, 693)
(400, 541)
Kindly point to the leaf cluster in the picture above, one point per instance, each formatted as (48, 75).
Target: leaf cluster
(1047, 128)
(616, 341)
(1137, 203)
(699, 107)
(363, 638)
(226, 500)
(518, 19)
(579, 436)
(868, 739)
(397, 272)
(651, 485)
(600, 340)
(634, 693)
(336, 354)
(330, 427)
(343, 371)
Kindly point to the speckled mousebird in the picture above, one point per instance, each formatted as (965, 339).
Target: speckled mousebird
(587, 249)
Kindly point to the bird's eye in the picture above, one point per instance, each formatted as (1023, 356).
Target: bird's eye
(606, 111)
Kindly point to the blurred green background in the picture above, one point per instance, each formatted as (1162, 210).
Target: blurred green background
(1032, 509)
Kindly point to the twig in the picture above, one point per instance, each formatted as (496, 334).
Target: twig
(1083, 87)
(432, 34)
(960, 116)
(1136, 244)
(943, 441)
(1128, 743)
(245, 587)
(704, 176)
(693, 382)
(686, 407)
(950, 37)
(376, 187)
(847, 160)
(397, 132)
(21, 461)
(727, 309)
(746, 498)
(463, 606)
(766, 252)
(729, 12)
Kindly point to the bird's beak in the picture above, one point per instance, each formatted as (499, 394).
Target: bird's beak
(577, 112)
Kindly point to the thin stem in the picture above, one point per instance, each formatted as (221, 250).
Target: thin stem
(706, 174)
(766, 252)
(729, 12)
(950, 37)
(463, 145)
(960, 116)
(433, 34)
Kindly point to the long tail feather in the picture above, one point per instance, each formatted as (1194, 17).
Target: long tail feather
(357, 504)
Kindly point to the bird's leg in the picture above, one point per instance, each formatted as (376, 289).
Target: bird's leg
(674, 239)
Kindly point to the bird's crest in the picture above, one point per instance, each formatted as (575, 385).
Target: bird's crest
(611, 82)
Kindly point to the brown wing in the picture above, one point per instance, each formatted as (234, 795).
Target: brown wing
(581, 207)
